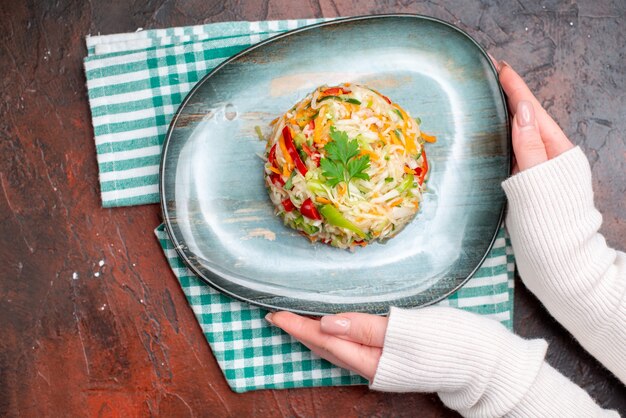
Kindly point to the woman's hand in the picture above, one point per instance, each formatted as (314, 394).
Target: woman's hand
(353, 340)
(350, 340)
(537, 138)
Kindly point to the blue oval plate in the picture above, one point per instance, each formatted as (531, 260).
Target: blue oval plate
(214, 200)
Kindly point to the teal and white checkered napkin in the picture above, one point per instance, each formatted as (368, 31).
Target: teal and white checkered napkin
(255, 355)
(135, 83)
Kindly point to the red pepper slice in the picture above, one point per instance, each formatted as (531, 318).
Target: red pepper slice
(307, 150)
(293, 152)
(288, 205)
(333, 91)
(309, 210)
(277, 180)
(316, 157)
(423, 170)
(386, 98)
(272, 156)
(312, 124)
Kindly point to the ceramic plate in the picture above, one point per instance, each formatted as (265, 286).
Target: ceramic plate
(216, 206)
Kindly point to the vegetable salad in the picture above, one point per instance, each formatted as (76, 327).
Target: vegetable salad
(346, 166)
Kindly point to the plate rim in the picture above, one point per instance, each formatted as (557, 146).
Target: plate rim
(168, 136)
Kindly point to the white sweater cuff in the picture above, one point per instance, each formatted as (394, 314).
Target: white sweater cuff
(553, 395)
(562, 258)
(551, 215)
(474, 363)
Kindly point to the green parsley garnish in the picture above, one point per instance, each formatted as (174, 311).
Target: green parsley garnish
(342, 162)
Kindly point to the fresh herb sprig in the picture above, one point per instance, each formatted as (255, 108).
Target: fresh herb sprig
(342, 161)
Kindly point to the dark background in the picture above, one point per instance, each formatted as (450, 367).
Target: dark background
(126, 343)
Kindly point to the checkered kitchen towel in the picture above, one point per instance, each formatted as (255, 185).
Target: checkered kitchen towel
(255, 355)
(135, 83)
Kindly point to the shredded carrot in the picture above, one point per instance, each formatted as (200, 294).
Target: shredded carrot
(429, 138)
(319, 126)
(272, 123)
(324, 135)
(373, 155)
(408, 170)
(301, 106)
(410, 145)
(396, 202)
(402, 112)
(287, 170)
(321, 199)
(341, 189)
(395, 139)
(275, 170)
(298, 117)
(384, 139)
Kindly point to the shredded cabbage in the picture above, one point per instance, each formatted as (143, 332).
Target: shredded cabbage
(379, 205)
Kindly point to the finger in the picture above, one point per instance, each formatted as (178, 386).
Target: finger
(494, 61)
(320, 352)
(555, 140)
(358, 327)
(327, 356)
(528, 146)
(352, 356)
(356, 357)
(315, 348)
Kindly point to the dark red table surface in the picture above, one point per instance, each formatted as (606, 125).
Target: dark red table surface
(126, 343)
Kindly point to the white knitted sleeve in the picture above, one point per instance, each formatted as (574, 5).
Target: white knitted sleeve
(476, 366)
(563, 259)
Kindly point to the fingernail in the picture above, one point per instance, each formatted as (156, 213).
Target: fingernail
(268, 318)
(335, 324)
(494, 61)
(503, 64)
(525, 114)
